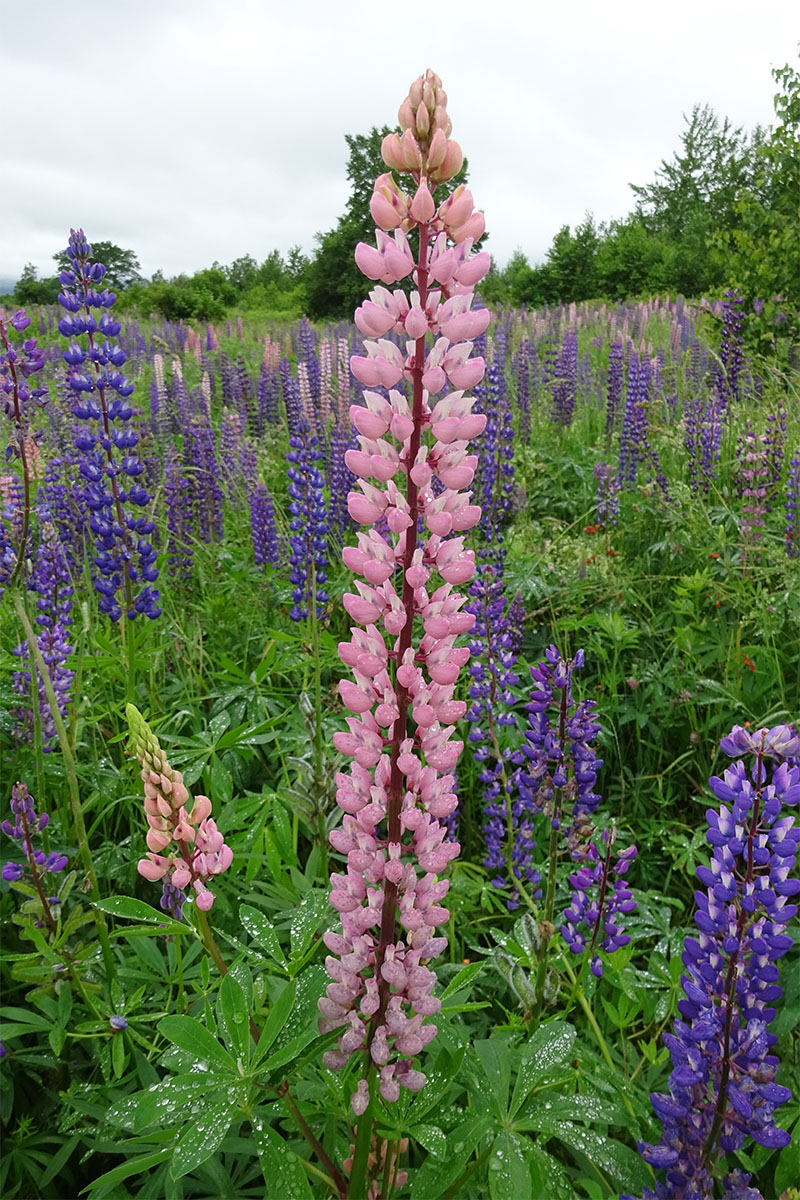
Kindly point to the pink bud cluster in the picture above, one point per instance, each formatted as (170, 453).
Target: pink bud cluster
(196, 849)
(412, 467)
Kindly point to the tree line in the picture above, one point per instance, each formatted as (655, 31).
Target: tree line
(723, 212)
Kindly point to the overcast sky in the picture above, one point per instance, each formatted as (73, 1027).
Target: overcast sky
(195, 130)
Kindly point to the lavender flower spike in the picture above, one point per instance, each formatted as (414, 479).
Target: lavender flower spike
(722, 1088)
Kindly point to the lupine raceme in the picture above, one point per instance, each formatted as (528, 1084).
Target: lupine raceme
(185, 848)
(722, 1088)
(398, 790)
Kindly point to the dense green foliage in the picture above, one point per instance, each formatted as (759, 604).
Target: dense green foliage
(686, 631)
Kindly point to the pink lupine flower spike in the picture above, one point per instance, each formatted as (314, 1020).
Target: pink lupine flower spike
(412, 466)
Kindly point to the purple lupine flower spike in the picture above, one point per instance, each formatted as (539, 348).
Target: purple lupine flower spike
(722, 1088)
(262, 525)
(25, 828)
(598, 901)
(309, 523)
(491, 670)
(106, 440)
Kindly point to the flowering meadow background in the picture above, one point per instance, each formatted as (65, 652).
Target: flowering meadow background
(185, 550)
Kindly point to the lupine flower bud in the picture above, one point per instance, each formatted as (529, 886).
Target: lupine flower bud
(199, 848)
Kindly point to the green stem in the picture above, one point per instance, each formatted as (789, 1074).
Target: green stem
(596, 1030)
(547, 920)
(208, 940)
(73, 788)
(336, 1175)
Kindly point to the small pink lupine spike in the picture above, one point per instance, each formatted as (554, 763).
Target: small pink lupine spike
(170, 825)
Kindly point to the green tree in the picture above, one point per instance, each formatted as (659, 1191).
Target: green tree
(759, 251)
(631, 260)
(30, 289)
(571, 260)
(122, 266)
(243, 273)
(695, 193)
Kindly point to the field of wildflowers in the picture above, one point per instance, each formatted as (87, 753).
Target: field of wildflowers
(398, 739)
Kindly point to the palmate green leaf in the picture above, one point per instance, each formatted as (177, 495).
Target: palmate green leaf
(188, 1034)
(163, 1103)
(463, 979)
(622, 1164)
(431, 1138)
(549, 1047)
(202, 1136)
(283, 1174)
(787, 1166)
(306, 920)
(436, 1175)
(132, 1166)
(509, 1173)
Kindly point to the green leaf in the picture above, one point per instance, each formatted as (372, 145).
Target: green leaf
(624, 1165)
(26, 1016)
(164, 1103)
(276, 1020)
(233, 1018)
(435, 1175)
(306, 920)
(262, 932)
(136, 910)
(464, 977)
(431, 1138)
(509, 1173)
(57, 1036)
(548, 1177)
(188, 1034)
(118, 1055)
(787, 1167)
(495, 1058)
(283, 1174)
(204, 1135)
(221, 782)
(549, 1047)
(290, 1051)
(132, 1166)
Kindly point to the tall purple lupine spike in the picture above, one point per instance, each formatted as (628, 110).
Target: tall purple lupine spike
(508, 827)
(722, 1087)
(262, 526)
(398, 789)
(125, 561)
